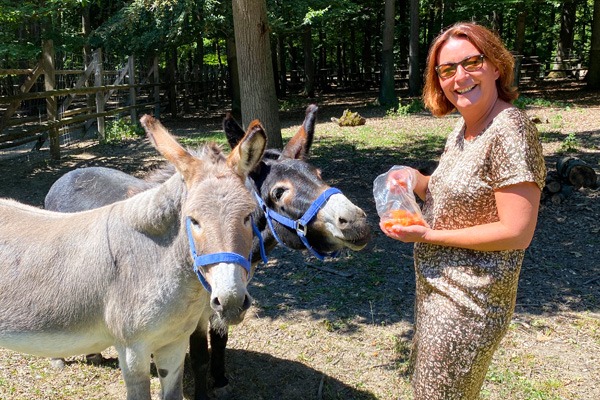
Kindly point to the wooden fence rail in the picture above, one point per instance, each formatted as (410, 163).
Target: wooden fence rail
(16, 129)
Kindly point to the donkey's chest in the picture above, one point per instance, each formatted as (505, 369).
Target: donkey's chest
(152, 310)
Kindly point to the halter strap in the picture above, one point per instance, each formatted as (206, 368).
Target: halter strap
(300, 226)
(215, 258)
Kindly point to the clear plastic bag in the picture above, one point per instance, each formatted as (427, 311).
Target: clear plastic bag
(394, 198)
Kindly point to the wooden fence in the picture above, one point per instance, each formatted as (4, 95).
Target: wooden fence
(88, 100)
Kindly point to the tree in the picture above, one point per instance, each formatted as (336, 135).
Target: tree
(414, 74)
(257, 83)
(387, 92)
(593, 75)
(564, 45)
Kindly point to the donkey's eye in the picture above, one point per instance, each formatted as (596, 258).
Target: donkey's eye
(247, 218)
(278, 192)
(195, 223)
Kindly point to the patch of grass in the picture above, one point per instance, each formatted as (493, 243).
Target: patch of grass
(402, 349)
(200, 139)
(120, 130)
(523, 101)
(510, 383)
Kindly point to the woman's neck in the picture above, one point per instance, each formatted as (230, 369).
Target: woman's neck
(476, 124)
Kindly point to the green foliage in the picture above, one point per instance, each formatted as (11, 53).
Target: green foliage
(570, 143)
(413, 107)
(119, 130)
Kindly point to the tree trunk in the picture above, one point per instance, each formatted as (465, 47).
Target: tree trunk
(414, 73)
(520, 37)
(257, 88)
(565, 42)
(234, 76)
(309, 64)
(387, 92)
(593, 75)
(282, 66)
(171, 56)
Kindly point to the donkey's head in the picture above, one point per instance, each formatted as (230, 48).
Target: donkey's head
(289, 185)
(216, 213)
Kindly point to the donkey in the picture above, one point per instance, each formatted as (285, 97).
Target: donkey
(286, 186)
(131, 274)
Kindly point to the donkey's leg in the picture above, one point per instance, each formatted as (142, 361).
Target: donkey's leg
(218, 343)
(199, 359)
(135, 366)
(169, 362)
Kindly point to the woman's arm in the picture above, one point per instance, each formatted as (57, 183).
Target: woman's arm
(421, 186)
(517, 206)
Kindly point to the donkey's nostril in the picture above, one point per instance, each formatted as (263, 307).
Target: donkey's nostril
(247, 303)
(215, 304)
(343, 221)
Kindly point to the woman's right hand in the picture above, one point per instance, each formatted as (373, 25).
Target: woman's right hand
(406, 234)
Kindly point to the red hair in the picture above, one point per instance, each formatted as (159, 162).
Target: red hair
(489, 44)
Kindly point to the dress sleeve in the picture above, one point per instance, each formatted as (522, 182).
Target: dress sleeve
(516, 153)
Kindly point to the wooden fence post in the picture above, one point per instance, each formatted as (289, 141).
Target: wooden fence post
(51, 103)
(98, 81)
(132, 99)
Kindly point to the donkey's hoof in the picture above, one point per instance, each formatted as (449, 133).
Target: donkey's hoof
(94, 359)
(57, 363)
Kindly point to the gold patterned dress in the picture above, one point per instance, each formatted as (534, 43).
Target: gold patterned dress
(465, 298)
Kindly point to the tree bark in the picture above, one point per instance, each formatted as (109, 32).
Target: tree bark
(257, 83)
(309, 64)
(234, 76)
(565, 41)
(387, 92)
(593, 75)
(414, 74)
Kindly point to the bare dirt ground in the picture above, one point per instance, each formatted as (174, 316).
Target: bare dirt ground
(313, 334)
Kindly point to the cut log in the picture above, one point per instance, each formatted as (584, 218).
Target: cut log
(553, 184)
(576, 172)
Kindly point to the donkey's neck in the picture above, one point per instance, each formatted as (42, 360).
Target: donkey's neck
(154, 211)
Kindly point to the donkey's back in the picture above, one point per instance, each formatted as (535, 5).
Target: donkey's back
(92, 187)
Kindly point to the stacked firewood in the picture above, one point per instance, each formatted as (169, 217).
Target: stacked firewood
(570, 175)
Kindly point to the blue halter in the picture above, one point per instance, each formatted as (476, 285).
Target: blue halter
(299, 225)
(215, 258)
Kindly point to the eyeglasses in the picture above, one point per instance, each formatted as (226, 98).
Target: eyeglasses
(469, 64)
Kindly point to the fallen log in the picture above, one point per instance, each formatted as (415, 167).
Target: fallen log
(576, 172)
(556, 190)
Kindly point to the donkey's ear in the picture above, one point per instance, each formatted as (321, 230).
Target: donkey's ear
(249, 151)
(233, 131)
(299, 145)
(166, 145)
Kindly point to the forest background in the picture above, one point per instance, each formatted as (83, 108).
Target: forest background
(305, 47)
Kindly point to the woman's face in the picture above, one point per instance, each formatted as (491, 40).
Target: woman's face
(472, 93)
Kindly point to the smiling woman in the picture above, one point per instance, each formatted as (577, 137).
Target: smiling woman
(481, 207)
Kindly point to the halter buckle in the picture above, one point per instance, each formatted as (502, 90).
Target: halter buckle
(301, 229)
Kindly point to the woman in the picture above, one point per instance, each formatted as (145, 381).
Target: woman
(481, 205)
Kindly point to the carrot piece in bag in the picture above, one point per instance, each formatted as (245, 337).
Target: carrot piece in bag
(401, 217)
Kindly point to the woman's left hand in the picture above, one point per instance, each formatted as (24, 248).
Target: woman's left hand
(406, 234)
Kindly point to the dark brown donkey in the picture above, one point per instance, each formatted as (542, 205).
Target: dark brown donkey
(286, 186)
